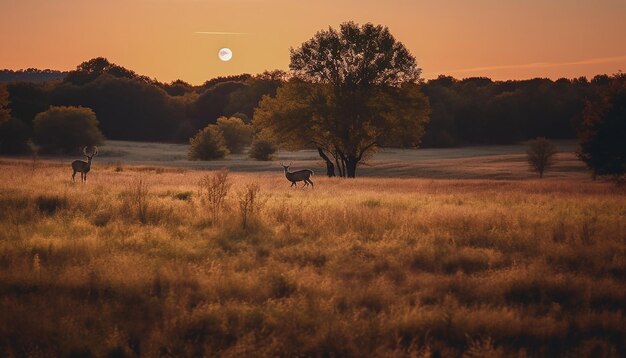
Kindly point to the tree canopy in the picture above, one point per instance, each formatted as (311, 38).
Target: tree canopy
(354, 89)
(66, 129)
(470, 111)
(603, 131)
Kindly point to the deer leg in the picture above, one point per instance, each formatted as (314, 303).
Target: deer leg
(293, 183)
(85, 177)
(311, 182)
(73, 175)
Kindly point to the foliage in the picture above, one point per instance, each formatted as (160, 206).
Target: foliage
(603, 131)
(212, 103)
(355, 90)
(305, 115)
(481, 111)
(13, 132)
(28, 99)
(540, 155)
(208, 144)
(128, 108)
(66, 129)
(467, 111)
(236, 133)
(14, 135)
(262, 149)
(5, 111)
(90, 70)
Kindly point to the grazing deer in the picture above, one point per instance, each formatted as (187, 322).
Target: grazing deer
(83, 166)
(300, 175)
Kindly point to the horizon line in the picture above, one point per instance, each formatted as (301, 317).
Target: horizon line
(590, 61)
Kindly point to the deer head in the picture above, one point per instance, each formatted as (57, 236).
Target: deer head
(286, 167)
(93, 153)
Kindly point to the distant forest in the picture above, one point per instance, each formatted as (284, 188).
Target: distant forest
(129, 106)
(31, 75)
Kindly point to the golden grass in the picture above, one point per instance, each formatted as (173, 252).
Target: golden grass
(134, 264)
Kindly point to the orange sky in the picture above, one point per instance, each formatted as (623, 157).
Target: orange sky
(501, 39)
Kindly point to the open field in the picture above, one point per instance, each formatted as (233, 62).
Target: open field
(483, 162)
(137, 263)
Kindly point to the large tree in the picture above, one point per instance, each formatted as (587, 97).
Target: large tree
(603, 131)
(353, 90)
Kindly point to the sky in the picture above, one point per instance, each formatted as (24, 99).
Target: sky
(500, 39)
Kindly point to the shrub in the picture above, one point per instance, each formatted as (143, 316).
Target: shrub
(236, 133)
(249, 203)
(136, 202)
(49, 205)
(66, 129)
(540, 155)
(208, 144)
(213, 190)
(262, 149)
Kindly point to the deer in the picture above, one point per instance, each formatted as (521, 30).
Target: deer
(83, 166)
(300, 175)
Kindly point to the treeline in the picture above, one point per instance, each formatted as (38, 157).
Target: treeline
(482, 111)
(134, 107)
(31, 75)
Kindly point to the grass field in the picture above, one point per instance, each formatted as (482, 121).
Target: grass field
(484, 162)
(144, 260)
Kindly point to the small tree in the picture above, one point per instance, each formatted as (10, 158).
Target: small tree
(540, 155)
(236, 133)
(207, 144)
(66, 129)
(262, 149)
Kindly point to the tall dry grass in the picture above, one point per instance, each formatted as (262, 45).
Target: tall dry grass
(134, 264)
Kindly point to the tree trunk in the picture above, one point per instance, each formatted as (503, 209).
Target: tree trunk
(338, 165)
(351, 162)
(330, 167)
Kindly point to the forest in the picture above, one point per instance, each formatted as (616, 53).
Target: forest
(130, 106)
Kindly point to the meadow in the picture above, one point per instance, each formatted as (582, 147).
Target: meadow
(166, 260)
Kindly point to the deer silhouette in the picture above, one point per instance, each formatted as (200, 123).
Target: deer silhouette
(83, 166)
(300, 175)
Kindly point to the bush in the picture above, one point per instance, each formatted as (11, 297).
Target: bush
(236, 133)
(540, 155)
(66, 129)
(262, 149)
(208, 144)
(213, 190)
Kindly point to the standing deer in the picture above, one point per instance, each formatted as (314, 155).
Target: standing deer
(83, 166)
(300, 175)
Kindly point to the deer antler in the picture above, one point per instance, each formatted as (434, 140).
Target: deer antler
(85, 152)
(95, 150)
